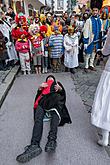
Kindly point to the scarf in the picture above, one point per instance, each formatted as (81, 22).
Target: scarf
(45, 91)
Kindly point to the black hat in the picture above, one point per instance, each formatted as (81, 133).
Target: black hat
(50, 76)
(96, 4)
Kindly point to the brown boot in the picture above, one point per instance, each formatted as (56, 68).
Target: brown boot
(92, 68)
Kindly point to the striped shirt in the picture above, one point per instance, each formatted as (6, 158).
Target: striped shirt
(56, 44)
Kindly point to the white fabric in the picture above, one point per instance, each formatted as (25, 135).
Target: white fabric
(85, 46)
(87, 57)
(92, 57)
(12, 54)
(71, 51)
(106, 48)
(89, 60)
(54, 109)
(100, 116)
(5, 29)
(24, 61)
(87, 31)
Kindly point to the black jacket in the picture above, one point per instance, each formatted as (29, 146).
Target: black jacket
(55, 100)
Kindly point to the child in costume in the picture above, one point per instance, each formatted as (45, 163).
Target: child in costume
(43, 31)
(71, 49)
(21, 26)
(56, 44)
(37, 48)
(22, 46)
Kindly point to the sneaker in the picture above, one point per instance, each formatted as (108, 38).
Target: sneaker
(30, 152)
(24, 73)
(28, 72)
(45, 70)
(50, 146)
(92, 68)
(102, 143)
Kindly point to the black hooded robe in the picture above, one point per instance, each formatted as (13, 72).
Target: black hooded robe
(57, 101)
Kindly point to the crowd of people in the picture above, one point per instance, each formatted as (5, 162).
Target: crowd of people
(45, 41)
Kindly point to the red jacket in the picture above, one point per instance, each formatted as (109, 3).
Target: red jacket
(17, 32)
(36, 41)
(22, 47)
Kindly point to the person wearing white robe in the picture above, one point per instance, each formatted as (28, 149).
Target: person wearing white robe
(71, 49)
(6, 30)
(100, 116)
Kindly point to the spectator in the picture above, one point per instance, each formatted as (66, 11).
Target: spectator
(11, 13)
(71, 49)
(22, 46)
(3, 51)
(56, 44)
(91, 33)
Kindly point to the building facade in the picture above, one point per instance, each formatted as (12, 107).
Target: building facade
(59, 6)
(25, 6)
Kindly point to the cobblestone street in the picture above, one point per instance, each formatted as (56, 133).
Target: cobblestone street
(86, 84)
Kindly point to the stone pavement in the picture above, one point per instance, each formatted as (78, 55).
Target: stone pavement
(76, 142)
(6, 80)
(86, 84)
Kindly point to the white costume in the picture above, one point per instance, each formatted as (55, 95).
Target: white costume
(6, 30)
(100, 116)
(71, 50)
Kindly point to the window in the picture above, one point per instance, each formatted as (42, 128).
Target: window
(30, 9)
(60, 4)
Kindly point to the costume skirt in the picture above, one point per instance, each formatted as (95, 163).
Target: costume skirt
(100, 116)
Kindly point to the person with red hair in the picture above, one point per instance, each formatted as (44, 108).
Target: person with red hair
(43, 31)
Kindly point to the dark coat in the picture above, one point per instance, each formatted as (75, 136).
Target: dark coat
(55, 100)
(3, 49)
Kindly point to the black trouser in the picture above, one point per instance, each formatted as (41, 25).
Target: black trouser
(38, 126)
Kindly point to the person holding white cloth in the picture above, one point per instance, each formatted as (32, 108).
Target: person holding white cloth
(100, 116)
(71, 49)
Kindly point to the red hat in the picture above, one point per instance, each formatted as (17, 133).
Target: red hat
(19, 17)
(43, 28)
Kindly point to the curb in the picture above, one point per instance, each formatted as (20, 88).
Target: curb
(7, 83)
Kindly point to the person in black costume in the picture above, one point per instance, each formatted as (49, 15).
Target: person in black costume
(51, 98)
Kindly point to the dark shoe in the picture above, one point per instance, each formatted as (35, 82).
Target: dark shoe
(72, 71)
(54, 71)
(50, 146)
(66, 69)
(86, 70)
(98, 62)
(31, 151)
(92, 68)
